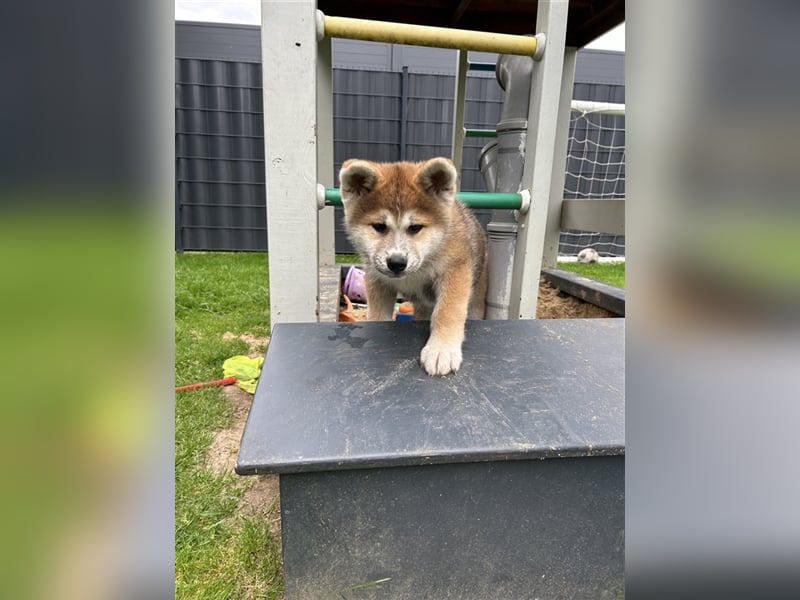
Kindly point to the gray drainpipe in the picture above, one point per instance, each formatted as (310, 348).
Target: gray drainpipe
(501, 163)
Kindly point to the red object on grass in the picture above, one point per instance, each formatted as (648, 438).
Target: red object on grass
(194, 386)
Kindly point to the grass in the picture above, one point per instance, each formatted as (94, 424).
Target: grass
(219, 553)
(348, 259)
(611, 273)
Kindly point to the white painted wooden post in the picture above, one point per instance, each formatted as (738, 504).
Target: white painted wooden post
(327, 236)
(553, 229)
(459, 100)
(551, 19)
(289, 53)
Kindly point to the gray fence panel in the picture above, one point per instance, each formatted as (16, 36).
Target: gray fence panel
(220, 192)
(219, 162)
(366, 116)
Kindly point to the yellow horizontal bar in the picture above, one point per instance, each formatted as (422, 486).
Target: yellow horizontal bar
(422, 35)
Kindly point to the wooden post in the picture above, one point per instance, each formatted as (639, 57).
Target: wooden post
(553, 228)
(459, 101)
(289, 53)
(551, 19)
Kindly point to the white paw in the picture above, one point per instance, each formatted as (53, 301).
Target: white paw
(440, 359)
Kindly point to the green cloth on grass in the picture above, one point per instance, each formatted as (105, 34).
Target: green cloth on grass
(245, 369)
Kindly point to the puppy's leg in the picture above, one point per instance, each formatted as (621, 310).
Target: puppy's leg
(477, 304)
(442, 354)
(380, 300)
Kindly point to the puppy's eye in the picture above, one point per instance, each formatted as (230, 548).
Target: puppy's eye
(415, 228)
(380, 227)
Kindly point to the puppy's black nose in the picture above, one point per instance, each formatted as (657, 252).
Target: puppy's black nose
(396, 263)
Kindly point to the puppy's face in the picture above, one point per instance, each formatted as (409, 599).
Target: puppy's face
(397, 214)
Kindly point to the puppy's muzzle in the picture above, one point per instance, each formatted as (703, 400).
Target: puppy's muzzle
(396, 263)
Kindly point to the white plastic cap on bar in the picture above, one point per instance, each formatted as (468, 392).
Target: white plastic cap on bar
(320, 196)
(525, 201)
(541, 39)
(320, 24)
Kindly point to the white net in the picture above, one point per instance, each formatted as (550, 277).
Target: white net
(595, 169)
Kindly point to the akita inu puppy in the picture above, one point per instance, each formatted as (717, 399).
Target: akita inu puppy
(418, 241)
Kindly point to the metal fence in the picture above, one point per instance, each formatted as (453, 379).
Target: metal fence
(378, 115)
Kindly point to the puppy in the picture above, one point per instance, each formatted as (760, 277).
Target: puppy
(419, 242)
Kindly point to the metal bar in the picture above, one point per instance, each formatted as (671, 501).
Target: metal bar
(422, 35)
(494, 200)
(403, 112)
(480, 133)
(472, 199)
(460, 94)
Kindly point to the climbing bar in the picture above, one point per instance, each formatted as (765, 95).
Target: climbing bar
(332, 197)
(423, 35)
(495, 200)
(480, 133)
(500, 200)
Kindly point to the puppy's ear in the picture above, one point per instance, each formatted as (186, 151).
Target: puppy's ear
(357, 179)
(438, 177)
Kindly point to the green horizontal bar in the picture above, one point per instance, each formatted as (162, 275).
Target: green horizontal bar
(499, 200)
(480, 133)
(332, 197)
(495, 200)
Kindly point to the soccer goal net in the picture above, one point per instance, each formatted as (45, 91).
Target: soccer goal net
(595, 169)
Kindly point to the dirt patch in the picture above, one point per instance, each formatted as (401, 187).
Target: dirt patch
(552, 304)
(221, 456)
(262, 497)
(257, 345)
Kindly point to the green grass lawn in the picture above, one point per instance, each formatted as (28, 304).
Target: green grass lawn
(611, 273)
(348, 258)
(219, 553)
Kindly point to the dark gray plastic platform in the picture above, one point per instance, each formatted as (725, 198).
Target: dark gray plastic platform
(505, 480)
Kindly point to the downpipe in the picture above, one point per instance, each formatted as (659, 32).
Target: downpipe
(501, 163)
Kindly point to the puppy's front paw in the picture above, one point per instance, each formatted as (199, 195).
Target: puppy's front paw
(440, 359)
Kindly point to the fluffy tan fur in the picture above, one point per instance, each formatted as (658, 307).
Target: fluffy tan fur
(417, 241)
